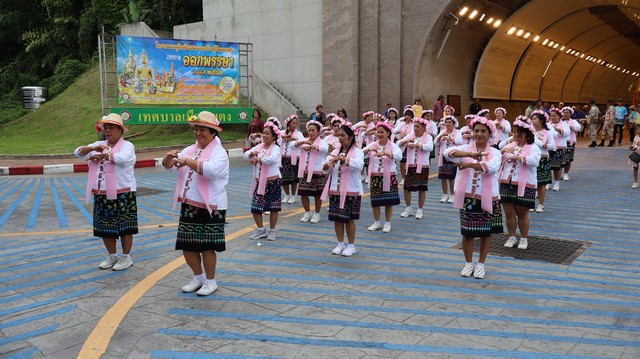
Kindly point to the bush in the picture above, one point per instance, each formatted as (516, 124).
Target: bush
(65, 74)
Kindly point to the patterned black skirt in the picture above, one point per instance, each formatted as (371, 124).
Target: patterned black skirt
(448, 170)
(569, 153)
(271, 200)
(351, 210)
(476, 222)
(544, 172)
(379, 198)
(289, 172)
(509, 194)
(198, 231)
(115, 218)
(414, 181)
(555, 159)
(313, 187)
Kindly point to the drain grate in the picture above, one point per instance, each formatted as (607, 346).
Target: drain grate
(545, 249)
(148, 191)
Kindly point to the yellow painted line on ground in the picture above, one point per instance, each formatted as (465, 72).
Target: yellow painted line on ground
(98, 341)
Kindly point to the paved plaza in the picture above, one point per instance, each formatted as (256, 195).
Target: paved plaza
(400, 296)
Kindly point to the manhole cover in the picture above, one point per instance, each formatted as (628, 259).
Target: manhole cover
(545, 249)
(148, 191)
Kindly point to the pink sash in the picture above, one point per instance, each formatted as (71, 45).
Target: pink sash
(202, 182)
(544, 138)
(312, 161)
(294, 154)
(412, 153)
(559, 133)
(442, 148)
(264, 171)
(344, 186)
(386, 175)
(524, 168)
(485, 195)
(110, 180)
(498, 138)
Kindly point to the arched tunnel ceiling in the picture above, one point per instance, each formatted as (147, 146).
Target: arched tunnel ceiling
(606, 32)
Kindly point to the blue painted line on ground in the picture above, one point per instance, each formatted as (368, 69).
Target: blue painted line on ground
(365, 345)
(62, 220)
(196, 355)
(438, 313)
(12, 190)
(37, 317)
(33, 215)
(483, 291)
(29, 334)
(47, 301)
(442, 268)
(75, 201)
(5, 217)
(27, 353)
(494, 304)
(407, 327)
(8, 248)
(155, 212)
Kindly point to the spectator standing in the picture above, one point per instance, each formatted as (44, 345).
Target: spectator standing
(607, 127)
(475, 107)
(254, 131)
(621, 118)
(319, 115)
(633, 119)
(438, 108)
(417, 106)
(389, 107)
(593, 118)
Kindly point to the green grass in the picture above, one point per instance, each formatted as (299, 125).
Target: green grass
(67, 121)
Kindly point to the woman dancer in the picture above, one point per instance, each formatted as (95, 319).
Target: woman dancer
(289, 169)
(503, 127)
(419, 146)
(447, 137)
(545, 140)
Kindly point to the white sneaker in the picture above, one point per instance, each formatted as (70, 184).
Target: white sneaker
(635, 185)
(531, 209)
(565, 177)
(266, 213)
(194, 285)
(306, 217)
(407, 212)
(292, 199)
(362, 178)
(547, 187)
(338, 249)
(258, 233)
(271, 235)
(366, 179)
(285, 199)
(315, 218)
(451, 199)
(386, 228)
(375, 226)
(108, 263)
(478, 272)
(418, 213)
(467, 271)
(207, 288)
(401, 182)
(524, 243)
(556, 186)
(123, 263)
(511, 242)
(349, 251)
(444, 198)
(540, 209)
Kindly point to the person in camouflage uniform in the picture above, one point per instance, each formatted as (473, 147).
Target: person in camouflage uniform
(609, 121)
(594, 121)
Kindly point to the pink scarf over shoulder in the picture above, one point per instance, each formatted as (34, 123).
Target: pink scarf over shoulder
(524, 169)
(202, 182)
(264, 171)
(411, 152)
(312, 161)
(111, 178)
(344, 186)
(464, 176)
(386, 167)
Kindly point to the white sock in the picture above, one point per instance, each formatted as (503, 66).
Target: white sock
(200, 277)
(350, 245)
(385, 223)
(468, 263)
(420, 208)
(523, 238)
(114, 255)
(376, 223)
(210, 281)
(341, 244)
(124, 255)
(261, 229)
(409, 208)
(480, 265)
(512, 237)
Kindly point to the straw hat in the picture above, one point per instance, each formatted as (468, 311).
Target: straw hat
(112, 118)
(205, 119)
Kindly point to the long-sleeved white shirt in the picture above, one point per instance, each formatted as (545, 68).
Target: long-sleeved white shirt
(549, 144)
(124, 161)
(321, 156)
(412, 153)
(355, 165)
(375, 163)
(473, 188)
(273, 160)
(562, 133)
(511, 168)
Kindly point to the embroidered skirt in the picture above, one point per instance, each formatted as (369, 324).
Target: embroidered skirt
(379, 198)
(351, 210)
(448, 170)
(313, 187)
(509, 194)
(555, 159)
(271, 200)
(115, 218)
(544, 171)
(288, 171)
(414, 181)
(198, 231)
(404, 156)
(569, 153)
(476, 222)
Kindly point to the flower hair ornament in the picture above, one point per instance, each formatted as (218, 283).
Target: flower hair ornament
(453, 110)
(394, 110)
(368, 113)
(469, 117)
(274, 120)
(524, 122)
(291, 117)
(556, 110)
(483, 112)
(567, 108)
(483, 121)
(332, 115)
(424, 112)
(408, 109)
(504, 111)
(337, 119)
(313, 122)
(274, 127)
(542, 113)
(347, 123)
(385, 125)
(421, 120)
(450, 118)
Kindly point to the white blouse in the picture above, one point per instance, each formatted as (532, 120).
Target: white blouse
(562, 136)
(286, 150)
(511, 168)
(473, 187)
(574, 126)
(322, 151)
(412, 154)
(124, 161)
(549, 145)
(355, 164)
(457, 139)
(375, 164)
(273, 160)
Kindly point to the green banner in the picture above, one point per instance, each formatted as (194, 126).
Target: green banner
(178, 115)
